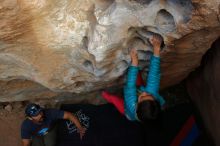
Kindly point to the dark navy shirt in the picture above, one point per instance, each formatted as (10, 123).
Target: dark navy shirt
(29, 128)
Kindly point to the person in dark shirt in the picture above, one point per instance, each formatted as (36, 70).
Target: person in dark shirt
(38, 128)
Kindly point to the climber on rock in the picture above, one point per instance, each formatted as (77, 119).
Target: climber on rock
(39, 127)
(143, 103)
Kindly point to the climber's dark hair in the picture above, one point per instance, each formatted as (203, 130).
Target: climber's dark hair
(148, 110)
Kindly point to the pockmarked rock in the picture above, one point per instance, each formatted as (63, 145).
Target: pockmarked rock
(83, 45)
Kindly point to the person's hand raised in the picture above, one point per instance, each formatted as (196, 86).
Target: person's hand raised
(134, 57)
(156, 42)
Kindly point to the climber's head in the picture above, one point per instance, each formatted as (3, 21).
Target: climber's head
(147, 108)
(145, 96)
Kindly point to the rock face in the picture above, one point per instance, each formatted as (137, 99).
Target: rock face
(19, 90)
(82, 45)
(203, 86)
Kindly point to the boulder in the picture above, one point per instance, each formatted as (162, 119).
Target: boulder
(80, 46)
(203, 87)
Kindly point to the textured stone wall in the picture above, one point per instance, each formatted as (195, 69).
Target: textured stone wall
(82, 45)
(203, 87)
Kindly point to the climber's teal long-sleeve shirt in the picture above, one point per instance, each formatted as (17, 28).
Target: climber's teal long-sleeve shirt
(152, 87)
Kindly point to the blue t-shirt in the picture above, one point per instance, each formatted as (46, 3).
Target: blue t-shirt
(29, 128)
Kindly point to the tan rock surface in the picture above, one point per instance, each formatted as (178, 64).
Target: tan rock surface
(82, 45)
